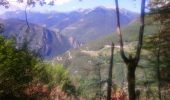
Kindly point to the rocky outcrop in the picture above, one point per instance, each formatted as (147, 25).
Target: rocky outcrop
(74, 42)
(40, 39)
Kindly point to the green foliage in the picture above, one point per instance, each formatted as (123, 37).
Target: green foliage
(16, 68)
(55, 75)
(152, 43)
(160, 16)
(84, 64)
(20, 67)
(60, 76)
(88, 87)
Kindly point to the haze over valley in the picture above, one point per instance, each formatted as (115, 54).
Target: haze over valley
(84, 50)
(54, 33)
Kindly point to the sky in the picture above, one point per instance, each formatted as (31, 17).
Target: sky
(70, 5)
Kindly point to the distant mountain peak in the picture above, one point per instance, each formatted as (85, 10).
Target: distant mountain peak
(85, 11)
(70, 29)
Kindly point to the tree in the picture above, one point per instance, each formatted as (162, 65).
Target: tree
(59, 76)
(131, 62)
(152, 45)
(109, 83)
(16, 69)
(22, 70)
(160, 15)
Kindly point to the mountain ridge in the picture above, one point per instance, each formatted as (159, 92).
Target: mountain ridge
(40, 39)
(83, 24)
(55, 33)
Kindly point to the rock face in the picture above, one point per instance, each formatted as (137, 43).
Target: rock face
(74, 42)
(48, 43)
(84, 24)
(54, 33)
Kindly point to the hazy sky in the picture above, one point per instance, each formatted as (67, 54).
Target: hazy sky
(69, 5)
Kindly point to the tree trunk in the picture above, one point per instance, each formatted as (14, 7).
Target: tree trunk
(109, 84)
(131, 62)
(158, 70)
(131, 81)
(100, 86)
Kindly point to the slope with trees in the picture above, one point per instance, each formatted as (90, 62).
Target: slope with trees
(24, 75)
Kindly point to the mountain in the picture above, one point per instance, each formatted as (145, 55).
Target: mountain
(84, 24)
(97, 23)
(42, 40)
(84, 61)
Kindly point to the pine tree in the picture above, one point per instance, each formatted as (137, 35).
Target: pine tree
(160, 15)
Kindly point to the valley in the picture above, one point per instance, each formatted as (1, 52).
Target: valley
(89, 53)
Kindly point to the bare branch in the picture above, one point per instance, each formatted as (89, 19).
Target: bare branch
(26, 19)
(120, 34)
(141, 31)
